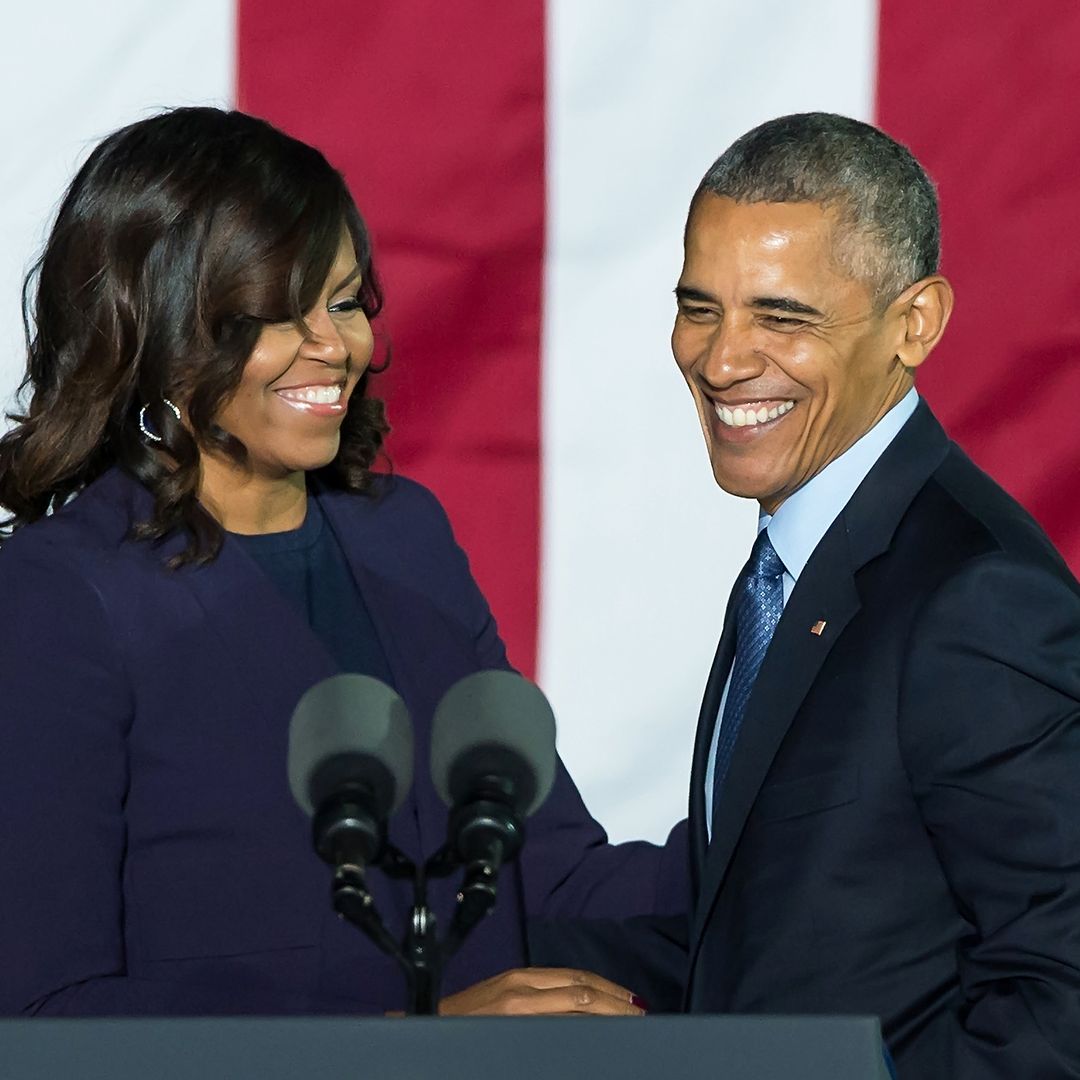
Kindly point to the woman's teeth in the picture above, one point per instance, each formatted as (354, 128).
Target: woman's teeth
(744, 416)
(313, 395)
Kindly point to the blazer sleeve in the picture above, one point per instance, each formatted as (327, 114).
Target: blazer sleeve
(447, 571)
(65, 708)
(567, 866)
(647, 954)
(990, 734)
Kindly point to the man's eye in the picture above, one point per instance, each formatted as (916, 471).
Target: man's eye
(693, 311)
(783, 322)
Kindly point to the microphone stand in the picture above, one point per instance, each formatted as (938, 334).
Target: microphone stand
(418, 954)
(421, 955)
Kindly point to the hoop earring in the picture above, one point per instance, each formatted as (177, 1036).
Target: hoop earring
(147, 431)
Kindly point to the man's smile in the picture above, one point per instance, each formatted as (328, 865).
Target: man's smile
(751, 413)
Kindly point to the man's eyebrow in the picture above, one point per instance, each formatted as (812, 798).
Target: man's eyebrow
(688, 292)
(786, 304)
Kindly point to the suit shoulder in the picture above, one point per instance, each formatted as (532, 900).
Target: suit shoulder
(962, 514)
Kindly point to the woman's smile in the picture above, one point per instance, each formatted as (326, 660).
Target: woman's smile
(316, 399)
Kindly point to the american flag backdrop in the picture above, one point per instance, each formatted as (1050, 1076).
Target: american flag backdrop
(525, 169)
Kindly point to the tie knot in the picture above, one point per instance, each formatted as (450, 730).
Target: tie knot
(764, 562)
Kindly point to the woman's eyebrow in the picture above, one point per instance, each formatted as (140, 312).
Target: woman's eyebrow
(352, 275)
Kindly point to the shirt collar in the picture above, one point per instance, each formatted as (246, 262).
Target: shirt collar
(804, 518)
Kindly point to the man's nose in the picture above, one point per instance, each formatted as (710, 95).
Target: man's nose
(731, 356)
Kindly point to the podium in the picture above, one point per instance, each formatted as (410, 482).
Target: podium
(528, 1048)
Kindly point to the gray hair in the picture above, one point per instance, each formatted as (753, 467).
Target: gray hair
(890, 231)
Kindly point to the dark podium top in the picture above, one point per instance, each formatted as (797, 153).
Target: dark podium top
(666, 1047)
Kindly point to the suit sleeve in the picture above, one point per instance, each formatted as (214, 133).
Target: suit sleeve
(66, 708)
(568, 868)
(990, 732)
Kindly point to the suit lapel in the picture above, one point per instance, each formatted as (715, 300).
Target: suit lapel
(826, 590)
(710, 708)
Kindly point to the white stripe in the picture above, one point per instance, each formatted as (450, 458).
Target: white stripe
(72, 73)
(639, 547)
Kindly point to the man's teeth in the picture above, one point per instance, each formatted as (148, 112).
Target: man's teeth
(742, 417)
(313, 395)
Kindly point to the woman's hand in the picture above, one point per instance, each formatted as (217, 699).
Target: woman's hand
(543, 992)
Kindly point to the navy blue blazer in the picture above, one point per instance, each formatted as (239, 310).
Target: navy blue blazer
(153, 859)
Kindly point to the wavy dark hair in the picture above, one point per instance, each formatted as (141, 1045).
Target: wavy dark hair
(180, 237)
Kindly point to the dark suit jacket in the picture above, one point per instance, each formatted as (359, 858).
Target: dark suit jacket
(153, 860)
(899, 832)
(900, 829)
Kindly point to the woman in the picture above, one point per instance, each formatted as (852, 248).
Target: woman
(195, 538)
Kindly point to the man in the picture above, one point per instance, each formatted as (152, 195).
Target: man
(884, 810)
(884, 816)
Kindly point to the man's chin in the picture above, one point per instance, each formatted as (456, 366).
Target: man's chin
(740, 485)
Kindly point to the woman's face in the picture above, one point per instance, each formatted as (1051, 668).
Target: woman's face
(295, 389)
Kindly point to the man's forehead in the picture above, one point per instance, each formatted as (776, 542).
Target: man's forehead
(771, 225)
(772, 245)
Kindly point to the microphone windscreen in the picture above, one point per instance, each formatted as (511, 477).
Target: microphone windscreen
(494, 723)
(350, 728)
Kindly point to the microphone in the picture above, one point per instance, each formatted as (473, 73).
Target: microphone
(493, 763)
(350, 765)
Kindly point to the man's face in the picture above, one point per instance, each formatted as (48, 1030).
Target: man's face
(787, 360)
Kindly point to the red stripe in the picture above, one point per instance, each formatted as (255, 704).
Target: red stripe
(434, 111)
(987, 97)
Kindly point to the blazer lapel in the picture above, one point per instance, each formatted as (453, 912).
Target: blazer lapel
(426, 651)
(423, 646)
(270, 643)
(273, 655)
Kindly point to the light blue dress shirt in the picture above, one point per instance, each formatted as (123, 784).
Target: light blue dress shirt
(803, 519)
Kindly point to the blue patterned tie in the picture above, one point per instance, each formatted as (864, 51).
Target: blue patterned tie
(758, 609)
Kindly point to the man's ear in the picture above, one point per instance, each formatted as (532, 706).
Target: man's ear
(923, 310)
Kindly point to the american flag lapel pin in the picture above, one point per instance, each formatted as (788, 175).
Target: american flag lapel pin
(818, 628)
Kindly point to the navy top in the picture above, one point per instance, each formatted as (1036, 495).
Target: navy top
(308, 567)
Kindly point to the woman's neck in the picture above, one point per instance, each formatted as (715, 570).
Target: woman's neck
(246, 503)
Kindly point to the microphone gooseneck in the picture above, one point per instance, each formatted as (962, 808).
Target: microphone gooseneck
(493, 763)
(350, 764)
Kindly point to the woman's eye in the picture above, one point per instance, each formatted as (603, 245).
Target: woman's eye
(350, 303)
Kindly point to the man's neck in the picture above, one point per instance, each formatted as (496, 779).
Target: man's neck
(801, 520)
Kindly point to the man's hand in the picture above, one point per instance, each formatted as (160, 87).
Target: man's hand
(543, 992)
